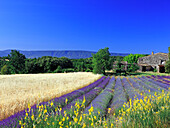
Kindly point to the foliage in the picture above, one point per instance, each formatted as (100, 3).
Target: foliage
(133, 58)
(68, 70)
(47, 64)
(167, 65)
(58, 70)
(16, 62)
(155, 70)
(88, 70)
(133, 68)
(82, 64)
(146, 112)
(143, 113)
(101, 61)
(169, 52)
(5, 70)
(116, 58)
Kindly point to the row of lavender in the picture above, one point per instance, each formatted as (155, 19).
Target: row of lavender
(88, 96)
(126, 89)
(101, 102)
(162, 79)
(12, 121)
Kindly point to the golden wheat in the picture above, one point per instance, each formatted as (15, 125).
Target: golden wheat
(16, 91)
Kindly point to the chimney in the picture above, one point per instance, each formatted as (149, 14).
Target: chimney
(152, 53)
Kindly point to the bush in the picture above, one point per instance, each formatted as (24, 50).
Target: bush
(88, 70)
(133, 68)
(5, 70)
(155, 70)
(58, 70)
(68, 70)
(167, 66)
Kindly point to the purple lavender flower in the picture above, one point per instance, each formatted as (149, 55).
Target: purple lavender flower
(148, 87)
(158, 83)
(153, 84)
(137, 86)
(88, 96)
(130, 90)
(119, 97)
(101, 102)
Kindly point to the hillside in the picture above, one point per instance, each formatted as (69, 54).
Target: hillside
(64, 53)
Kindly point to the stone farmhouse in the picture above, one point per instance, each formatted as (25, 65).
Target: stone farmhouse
(153, 61)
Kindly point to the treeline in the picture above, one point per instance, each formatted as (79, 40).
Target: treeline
(17, 63)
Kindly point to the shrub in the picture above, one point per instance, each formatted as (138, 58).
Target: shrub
(88, 70)
(155, 70)
(58, 70)
(167, 66)
(68, 70)
(5, 70)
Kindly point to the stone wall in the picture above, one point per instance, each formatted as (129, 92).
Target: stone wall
(154, 60)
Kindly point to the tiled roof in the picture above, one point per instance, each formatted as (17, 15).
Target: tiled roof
(160, 53)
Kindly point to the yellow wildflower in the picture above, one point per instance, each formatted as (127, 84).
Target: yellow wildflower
(32, 117)
(84, 100)
(66, 101)
(109, 110)
(94, 117)
(51, 104)
(60, 123)
(75, 119)
(45, 111)
(98, 113)
(20, 122)
(84, 125)
(80, 118)
(63, 119)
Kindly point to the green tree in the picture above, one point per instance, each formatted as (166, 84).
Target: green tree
(16, 62)
(31, 66)
(132, 58)
(101, 61)
(167, 65)
(5, 70)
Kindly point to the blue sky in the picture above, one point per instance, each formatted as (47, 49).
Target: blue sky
(125, 26)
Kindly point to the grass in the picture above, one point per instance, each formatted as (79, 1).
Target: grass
(16, 91)
(149, 73)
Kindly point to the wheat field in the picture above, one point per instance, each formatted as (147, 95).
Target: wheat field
(16, 91)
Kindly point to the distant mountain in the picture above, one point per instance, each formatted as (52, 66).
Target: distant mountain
(64, 53)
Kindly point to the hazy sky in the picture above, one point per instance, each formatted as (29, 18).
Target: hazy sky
(125, 26)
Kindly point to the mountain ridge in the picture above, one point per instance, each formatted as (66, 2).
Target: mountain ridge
(71, 54)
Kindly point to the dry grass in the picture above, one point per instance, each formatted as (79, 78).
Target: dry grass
(16, 91)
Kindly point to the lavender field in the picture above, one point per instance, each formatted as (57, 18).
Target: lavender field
(103, 97)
